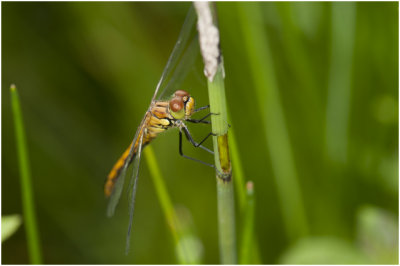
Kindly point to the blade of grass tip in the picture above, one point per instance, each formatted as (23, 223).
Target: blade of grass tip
(28, 205)
(339, 89)
(273, 120)
(183, 252)
(213, 69)
(248, 227)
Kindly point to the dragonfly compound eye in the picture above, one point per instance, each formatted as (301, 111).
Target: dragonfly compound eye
(181, 93)
(176, 104)
(176, 108)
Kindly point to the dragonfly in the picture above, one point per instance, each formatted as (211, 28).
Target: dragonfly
(166, 110)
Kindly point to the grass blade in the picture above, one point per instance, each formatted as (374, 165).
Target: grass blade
(339, 89)
(273, 120)
(239, 179)
(248, 227)
(26, 186)
(242, 193)
(185, 255)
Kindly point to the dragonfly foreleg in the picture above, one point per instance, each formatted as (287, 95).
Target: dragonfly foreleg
(201, 108)
(190, 158)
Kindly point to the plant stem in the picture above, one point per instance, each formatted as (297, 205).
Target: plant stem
(214, 71)
(226, 210)
(26, 186)
(226, 225)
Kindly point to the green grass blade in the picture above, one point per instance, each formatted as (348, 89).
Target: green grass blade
(241, 191)
(246, 246)
(339, 89)
(300, 61)
(26, 186)
(272, 119)
(239, 179)
(184, 253)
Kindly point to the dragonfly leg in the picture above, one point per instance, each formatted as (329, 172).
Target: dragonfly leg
(201, 120)
(190, 158)
(194, 143)
(194, 159)
(201, 108)
(197, 121)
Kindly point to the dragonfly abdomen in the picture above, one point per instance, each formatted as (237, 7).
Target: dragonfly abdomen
(157, 121)
(115, 171)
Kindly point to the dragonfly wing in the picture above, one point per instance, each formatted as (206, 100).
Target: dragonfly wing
(132, 190)
(119, 183)
(185, 37)
(186, 64)
(116, 194)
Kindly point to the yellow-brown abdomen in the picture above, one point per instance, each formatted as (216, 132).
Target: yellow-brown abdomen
(156, 121)
(115, 171)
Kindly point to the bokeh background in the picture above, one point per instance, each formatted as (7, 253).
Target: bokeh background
(312, 90)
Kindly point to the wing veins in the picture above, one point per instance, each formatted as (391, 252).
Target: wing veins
(178, 49)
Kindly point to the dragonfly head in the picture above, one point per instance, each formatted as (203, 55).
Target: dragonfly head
(181, 105)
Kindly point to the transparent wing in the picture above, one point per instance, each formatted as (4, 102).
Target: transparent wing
(186, 65)
(116, 194)
(119, 184)
(181, 60)
(132, 194)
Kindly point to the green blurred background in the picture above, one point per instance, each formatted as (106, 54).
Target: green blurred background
(323, 156)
